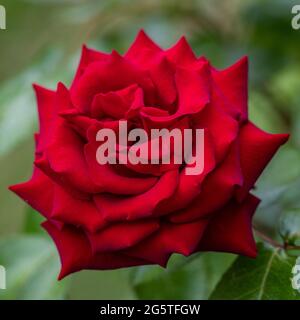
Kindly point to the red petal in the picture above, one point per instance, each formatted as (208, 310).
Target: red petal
(111, 75)
(121, 235)
(162, 75)
(47, 114)
(115, 208)
(171, 238)
(233, 83)
(181, 53)
(113, 104)
(193, 95)
(75, 211)
(105, 176)
(224, 179)
(143, 49)
(66, 158)
(222, 127)
(231, 229)
(31, 192)
(189, 186)
(76, 254)
(193, 90)
(87, 57)
(78, 122)
(257, 148)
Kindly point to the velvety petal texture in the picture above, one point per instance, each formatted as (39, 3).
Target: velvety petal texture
(106, 216)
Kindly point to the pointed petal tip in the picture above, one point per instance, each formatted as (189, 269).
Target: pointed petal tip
(18, 189)
(285, 137)
(13, 188)
(62, 274)
(62, 90)
(243, 59)
(142, 41)
(183, 40)
(36, 86)
(142, 35)
(251, 251)
(242, 63)
(49, 228)
(115, 54)
(42, 93)
(181, 52)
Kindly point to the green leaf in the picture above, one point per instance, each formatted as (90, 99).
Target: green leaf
(32, 266)
(184, 278)
(268, 277)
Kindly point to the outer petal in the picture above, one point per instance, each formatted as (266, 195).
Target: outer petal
(78, 212)
(171, 238)
(231, 229)
(143, 49)
(233, 83)
(257, 148)
(47, 115)
(88, 56)
(162, 75)
(122, 235)
(193, 90)
(28, 191)
(63, 158)
(66, 158)
(223, 128)
(76, 254)
(141, 42)
(181, 53)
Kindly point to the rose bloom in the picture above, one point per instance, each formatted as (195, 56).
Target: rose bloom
(112, 216)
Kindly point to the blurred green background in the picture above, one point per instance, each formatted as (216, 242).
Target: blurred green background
(42, 44)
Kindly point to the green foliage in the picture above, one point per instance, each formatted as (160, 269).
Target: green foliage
(268, 277)
(184, 278)
(32, 266)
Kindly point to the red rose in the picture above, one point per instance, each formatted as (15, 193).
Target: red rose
(111, 216)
